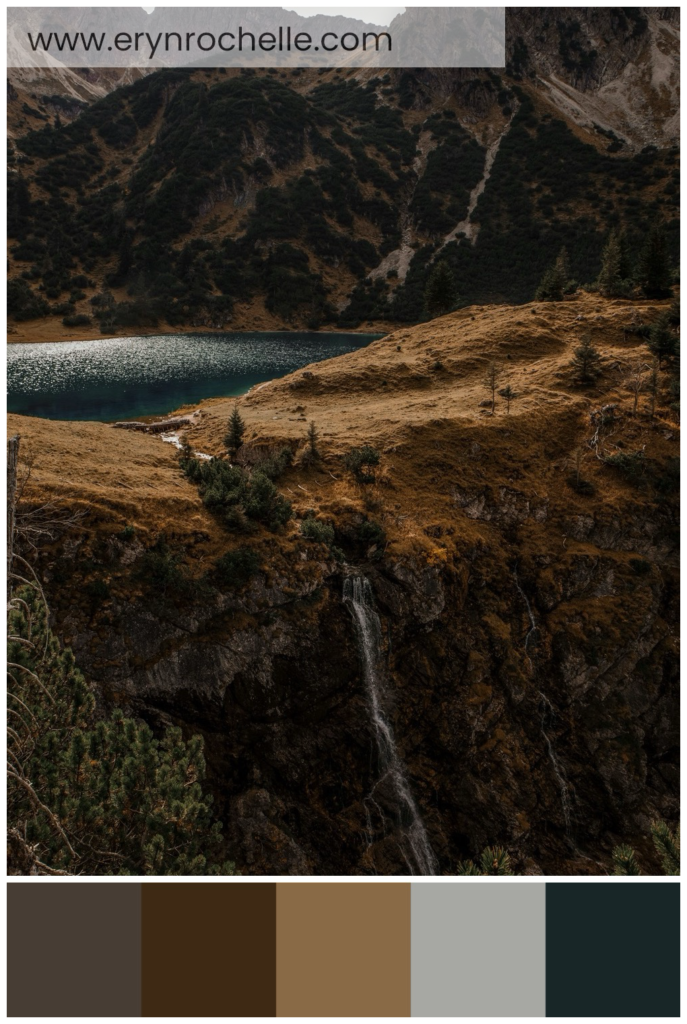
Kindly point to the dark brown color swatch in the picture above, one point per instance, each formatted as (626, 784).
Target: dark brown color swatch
(73, 949)
(343, 949)
(209, 949)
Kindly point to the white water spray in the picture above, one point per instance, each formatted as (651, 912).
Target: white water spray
(415, 845)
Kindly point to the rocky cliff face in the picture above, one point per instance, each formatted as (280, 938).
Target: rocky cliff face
(555, 739)
(614, 68)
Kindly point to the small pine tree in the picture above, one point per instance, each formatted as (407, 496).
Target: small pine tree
(467, 867)
(662, 340)
(551, 286)
(652, 387)
(491, 383)
(234, 436)
(556, 279)
(586, 362)
(440, 293)
(674, 312)
(494, 860)
(610, 281)
(624, 861)
(667, 845)
(90, 794)
(313, 438)
(509, 395)
(562, 265)
(625, 260)
(360, 461)
(653, 269)
(636, 383)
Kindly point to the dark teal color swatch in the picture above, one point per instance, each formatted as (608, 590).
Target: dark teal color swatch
(612, 949)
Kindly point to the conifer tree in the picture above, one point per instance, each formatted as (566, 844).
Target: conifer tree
(440, 293)
(625, 260)
(653, 269)
(562, 265)
(636, 382)
(556, 279)
(667, 844)
(610, 280)
(494, 860)
(313, 438)
(551, 286)
(662, 340)
(234, 436)
(509, 395)
(674, 312)
(624, 861)
(94, 794)
(491, 381)
(586, 361)
(467, 867)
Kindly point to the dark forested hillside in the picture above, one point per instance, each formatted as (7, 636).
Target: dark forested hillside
(322, 198)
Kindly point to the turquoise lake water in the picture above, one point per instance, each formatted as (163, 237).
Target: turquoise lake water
(125, 378)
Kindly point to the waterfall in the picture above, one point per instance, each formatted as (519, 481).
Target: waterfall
(547, 714)
(547, 710)
(392, 781)
(533, 625)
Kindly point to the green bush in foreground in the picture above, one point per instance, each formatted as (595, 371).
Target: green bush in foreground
(236, 567)
(315, 529)
(493, 861)
(360, 461)
(667, 846)
(239, 497)
(92, 795)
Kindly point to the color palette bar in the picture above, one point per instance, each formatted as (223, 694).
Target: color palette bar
(244, 949)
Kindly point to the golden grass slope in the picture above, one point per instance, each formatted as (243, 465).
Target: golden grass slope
(416, 396)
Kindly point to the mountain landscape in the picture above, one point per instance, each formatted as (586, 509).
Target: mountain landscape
(527, 622)
(292, 198)
(419, 602)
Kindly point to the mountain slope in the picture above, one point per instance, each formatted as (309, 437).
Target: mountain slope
(210, 198)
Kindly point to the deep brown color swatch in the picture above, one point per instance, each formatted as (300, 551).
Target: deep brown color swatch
(343, 950)
(73, 949)
(209, 949)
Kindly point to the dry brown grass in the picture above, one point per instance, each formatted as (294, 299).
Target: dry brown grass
(439, 447)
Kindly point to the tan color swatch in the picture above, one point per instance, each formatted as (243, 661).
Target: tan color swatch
(343, 949)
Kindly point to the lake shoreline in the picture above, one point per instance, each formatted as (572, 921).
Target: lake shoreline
(141, 377)
(53, 333)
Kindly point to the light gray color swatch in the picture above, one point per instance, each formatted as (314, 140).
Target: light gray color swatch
(478, 949)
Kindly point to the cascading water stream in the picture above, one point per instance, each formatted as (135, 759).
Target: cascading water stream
(357, 596)
(547, 713)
